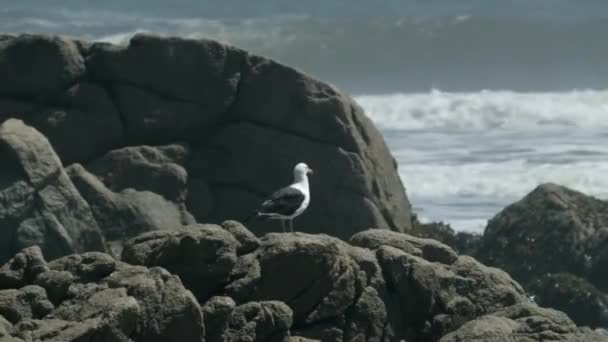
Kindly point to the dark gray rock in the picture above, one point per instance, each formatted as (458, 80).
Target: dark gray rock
(23, 268)
(27, 302)
(126, 214)
(247, 241)
(158, 169)
(264, 321)
(229, 105)
(217, 312)
(39, 205)
(38, 66)
(428, 299)
(553, 229)
(583, 302)
(428, 249)
(81, 122)
(96, 298)
(202, 255)
(523, 322)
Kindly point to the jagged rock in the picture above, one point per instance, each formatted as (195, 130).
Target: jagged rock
(104, 300)
(126, 214)
(27, 302)
(39, 205)
(428, 249)
(264, 321)
(523, 322)
(332, 288)
(584, 303)
(429, 292)
(43, 84)
(247, 241)
(229, 105)
(23, 268)
(202, 255)
(37, 66)
(217, 312)
(553, 229)
(158, 169)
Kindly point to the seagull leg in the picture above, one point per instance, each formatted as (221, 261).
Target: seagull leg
(291, 225)
(283, 225)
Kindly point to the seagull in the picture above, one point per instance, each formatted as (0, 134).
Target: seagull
(288, 202)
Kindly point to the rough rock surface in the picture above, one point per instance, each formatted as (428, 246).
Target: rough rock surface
(128, 213)
(383, 286)
(229, 106)
(39, 205)
(554, 230)
(95, 298)
(582, 301)
(525, 323)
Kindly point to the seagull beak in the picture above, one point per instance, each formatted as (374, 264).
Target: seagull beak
(310, 171)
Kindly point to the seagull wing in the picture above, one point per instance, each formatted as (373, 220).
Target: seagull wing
(284, 202)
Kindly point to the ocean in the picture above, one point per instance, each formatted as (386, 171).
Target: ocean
(479, 100)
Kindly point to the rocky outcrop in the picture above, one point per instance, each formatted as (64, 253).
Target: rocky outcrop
(234, 124)
(381, 286)
(523, 322)
(92, 297)
(554, 241)
(39, 204)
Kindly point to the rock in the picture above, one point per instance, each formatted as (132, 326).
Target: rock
(202, 255)
(126, 214)
(428, 249)
(462, 242)
(104, 300)
(553, 229)
(158, 169)
(217, 312)
(39, 205)
(584, 303)
(247, 241)
(523, 322)
(264, 321)
(38, 66)
(437, 298)
(554, 236)
(325, 283)
(28, 302)
(228, 105)
(82, 112)
(23, 268)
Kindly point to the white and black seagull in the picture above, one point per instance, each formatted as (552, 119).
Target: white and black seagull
(290, 201)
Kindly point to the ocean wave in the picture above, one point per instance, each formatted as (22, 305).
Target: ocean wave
(488, 110)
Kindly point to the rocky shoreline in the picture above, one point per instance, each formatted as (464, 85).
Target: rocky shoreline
(125, 169)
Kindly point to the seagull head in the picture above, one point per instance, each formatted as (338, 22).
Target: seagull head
(301, 170)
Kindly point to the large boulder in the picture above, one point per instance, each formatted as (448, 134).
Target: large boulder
(248, 120)
(431, 290)
(552, 229)
(43, 82)
(39, 205)
(382, 286)
(555, 242)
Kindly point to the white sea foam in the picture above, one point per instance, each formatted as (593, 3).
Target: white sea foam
(463, 157)
(489, 109)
